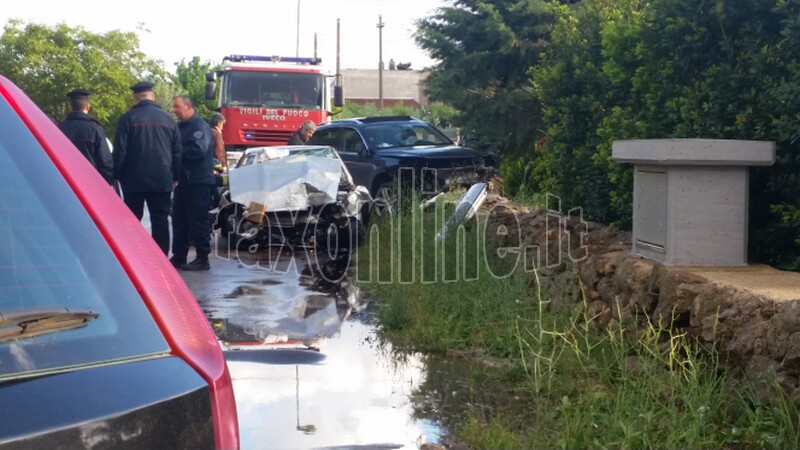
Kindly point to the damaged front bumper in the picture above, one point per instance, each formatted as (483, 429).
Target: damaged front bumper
(297, 194)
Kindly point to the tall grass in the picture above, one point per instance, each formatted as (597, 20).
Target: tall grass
(650, 387)
(438, 297)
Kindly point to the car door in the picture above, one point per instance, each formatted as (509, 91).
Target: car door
(353, 151)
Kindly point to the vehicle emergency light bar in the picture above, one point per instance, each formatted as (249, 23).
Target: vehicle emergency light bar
(275, 58)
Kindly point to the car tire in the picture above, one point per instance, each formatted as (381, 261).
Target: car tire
(240, 231)
(385, 200)
(223, 220)
(346, 236)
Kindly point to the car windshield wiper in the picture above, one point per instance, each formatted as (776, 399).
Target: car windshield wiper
(27, 322)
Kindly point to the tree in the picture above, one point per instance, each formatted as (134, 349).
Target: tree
(571, 84)
(190, 79)
(484, 50)
(49, 61)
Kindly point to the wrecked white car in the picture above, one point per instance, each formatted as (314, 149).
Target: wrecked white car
(292, 196)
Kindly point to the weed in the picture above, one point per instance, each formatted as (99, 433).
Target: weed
(651, 387)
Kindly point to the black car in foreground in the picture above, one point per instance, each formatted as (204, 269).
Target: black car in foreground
(383, 153)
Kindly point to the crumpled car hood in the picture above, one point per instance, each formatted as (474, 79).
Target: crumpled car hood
(287, 185)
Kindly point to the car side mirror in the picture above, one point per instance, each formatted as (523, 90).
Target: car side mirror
(338, 96)
(360, 149)
(210, 92)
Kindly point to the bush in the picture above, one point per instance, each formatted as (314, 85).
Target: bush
(671, 69)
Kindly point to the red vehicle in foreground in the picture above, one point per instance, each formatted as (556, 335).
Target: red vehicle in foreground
(102, 345)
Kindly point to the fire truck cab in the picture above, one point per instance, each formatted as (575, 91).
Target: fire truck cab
(264, 99)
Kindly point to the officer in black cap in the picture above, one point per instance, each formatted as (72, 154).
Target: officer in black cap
(78, 93)
(147, 160)
(87, 134)
(142, 86)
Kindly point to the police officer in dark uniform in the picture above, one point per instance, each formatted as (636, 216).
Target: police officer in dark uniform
(87, 134)
(147, 160)
(192, 197)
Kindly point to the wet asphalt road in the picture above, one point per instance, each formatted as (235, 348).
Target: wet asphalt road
(307, 368)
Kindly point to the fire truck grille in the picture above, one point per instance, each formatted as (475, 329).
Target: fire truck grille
(266, 136)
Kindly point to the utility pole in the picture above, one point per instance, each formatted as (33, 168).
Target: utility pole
(380, 61)
(338, 53)
(338, 90)
(297, 47)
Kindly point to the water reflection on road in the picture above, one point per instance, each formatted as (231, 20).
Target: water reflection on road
(352, 395)
(307, 368)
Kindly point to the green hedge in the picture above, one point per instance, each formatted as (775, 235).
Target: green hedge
(623, 69)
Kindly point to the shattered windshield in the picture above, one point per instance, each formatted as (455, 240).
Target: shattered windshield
(394, 135)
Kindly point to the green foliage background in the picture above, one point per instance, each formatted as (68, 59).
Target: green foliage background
(438, 114)
(549, 84)
(49, 61)
(190, 79)
(624, 69)
(484, 49)
(606, 70)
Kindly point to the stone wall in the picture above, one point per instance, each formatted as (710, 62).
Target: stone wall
(751, 314)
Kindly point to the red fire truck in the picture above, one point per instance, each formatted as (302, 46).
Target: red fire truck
(264, 99)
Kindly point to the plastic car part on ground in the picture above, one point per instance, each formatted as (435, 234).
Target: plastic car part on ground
(466, 208)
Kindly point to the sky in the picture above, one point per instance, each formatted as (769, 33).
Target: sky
(170, 31)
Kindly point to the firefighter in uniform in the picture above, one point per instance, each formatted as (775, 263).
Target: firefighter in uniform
(190, 221)
(87, 134)
(147, 159)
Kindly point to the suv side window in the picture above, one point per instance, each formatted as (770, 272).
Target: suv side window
(325, 137)
(352, 141)
(344, 140)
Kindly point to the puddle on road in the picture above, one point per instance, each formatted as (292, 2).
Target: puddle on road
(265, 282)
(242, 291)
(456, 386)
(352, 392)
(307, 368)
